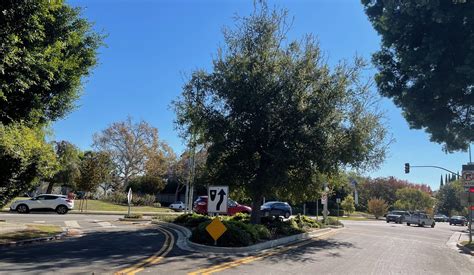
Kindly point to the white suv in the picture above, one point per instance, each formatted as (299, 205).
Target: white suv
(59, 203)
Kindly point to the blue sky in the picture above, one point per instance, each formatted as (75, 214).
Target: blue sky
(153, 45)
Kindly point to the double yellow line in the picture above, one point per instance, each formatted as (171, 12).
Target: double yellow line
(155, 258)
(250, 259)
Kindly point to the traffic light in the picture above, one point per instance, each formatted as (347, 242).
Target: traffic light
(407, 168)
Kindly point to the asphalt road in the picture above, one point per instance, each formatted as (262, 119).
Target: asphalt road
(81, 222)
(361, 248)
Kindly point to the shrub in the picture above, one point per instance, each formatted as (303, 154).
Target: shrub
(377, 207)
(191, 220)
(134, 216)
(278, 227)
(237, 234)
(305, 222)
(348, 204)
(157, 204)
(263, 232)
(165, 218)
(332, 221)
(244, 217)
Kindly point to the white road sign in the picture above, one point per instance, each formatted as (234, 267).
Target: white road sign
(324, 199)
(129, 196)
(468, 177)
(217, 199)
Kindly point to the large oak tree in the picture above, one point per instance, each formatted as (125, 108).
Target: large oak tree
(275, 115)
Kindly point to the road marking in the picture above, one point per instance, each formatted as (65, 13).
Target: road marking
(260, 256)
(106, 224)
(72, 224)
(155, 258)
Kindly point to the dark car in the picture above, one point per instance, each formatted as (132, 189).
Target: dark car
(276, 209)
(455, 220)
(396, 216)
(233, 207)
(441, 218)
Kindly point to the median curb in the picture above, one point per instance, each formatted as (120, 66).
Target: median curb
(92, 212)
(184, 243)
(465, 249)
(36, 240)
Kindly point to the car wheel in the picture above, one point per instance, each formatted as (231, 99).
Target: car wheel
(22, 208)
(432, 225)
(388, 221)
(287, 215)
(61, 209)
(408, 224)
(450, 224)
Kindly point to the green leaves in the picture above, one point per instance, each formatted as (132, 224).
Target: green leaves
(25, 158)
(426, 65)
(276, 118)
(46, 50)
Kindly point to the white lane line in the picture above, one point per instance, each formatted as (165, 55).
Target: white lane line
(72, 224)
(39, 221)
(106, 224)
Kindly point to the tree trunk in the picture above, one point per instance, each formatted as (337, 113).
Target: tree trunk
(255, 216)
(49, 190)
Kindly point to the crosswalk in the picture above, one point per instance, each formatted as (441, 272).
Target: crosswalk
(88, 223)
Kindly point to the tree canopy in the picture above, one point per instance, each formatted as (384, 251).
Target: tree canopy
(426, 65)
(25, 158)
(135, 149)
(46, 50)
(275, 115)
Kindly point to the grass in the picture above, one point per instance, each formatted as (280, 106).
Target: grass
(98, 205)
(31, 232)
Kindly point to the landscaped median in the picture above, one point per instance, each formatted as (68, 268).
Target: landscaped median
(242, 236)
(18, 234)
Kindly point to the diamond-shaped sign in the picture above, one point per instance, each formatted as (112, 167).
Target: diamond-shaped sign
(216, 228)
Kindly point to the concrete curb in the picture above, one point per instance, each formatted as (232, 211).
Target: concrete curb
(184, 234)
(134, 220)
(465, 249)
(36, 240)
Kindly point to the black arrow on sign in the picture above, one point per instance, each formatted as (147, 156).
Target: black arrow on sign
(221, 199)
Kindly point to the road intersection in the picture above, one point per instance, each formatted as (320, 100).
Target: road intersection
(371, 247)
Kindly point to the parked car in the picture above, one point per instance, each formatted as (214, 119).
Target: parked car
(177, 206)
(441, 218)
(45, 202)
(455, 220)
(396, 216)
(421, 219)
(276, 208)
(233, 207)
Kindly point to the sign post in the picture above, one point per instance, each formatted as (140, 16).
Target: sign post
(468, 181)
(338, 201)
(129, 200)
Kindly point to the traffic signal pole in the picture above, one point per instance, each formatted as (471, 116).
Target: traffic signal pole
(428, 166)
